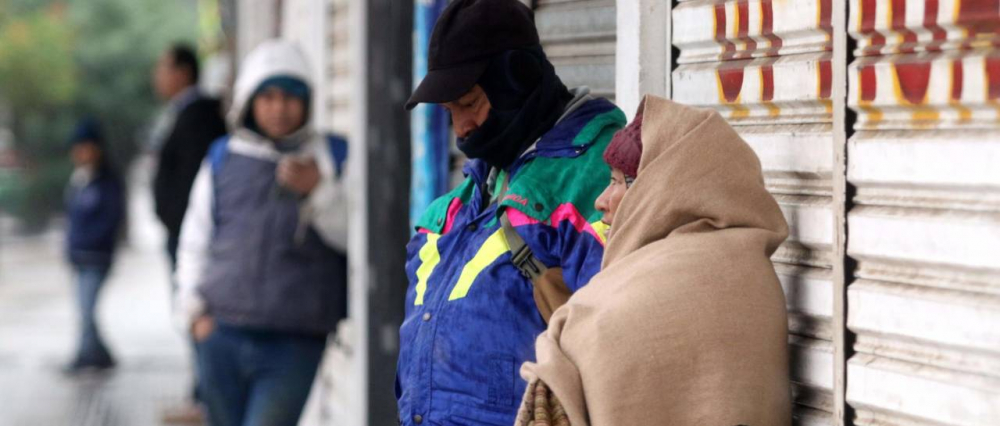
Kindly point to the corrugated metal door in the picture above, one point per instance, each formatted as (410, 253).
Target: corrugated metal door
(339, 72)
(579, 38)
(922, 243)
(257, 21)
(339, 390)
(925, 224)
(305, 22)
(341, 376)
(767, 67)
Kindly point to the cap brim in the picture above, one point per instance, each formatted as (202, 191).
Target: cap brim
(448, 84)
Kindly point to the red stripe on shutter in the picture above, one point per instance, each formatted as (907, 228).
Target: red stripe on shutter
(728, 48)
(868, 15)
(914, 79)
(993, 77)
(956, 80)
(869, 83)
(767, 27)
(743, 8)
(731, 80)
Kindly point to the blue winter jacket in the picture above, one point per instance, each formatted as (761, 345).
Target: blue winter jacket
(95, 211)
(471, 318)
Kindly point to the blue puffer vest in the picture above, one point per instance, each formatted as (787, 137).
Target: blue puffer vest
(259, 276)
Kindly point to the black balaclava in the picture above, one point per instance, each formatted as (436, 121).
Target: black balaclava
(526, 98)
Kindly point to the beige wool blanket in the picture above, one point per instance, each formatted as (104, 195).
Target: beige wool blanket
(686, 323)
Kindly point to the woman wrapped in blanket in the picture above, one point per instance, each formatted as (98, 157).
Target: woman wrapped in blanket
(686, 323)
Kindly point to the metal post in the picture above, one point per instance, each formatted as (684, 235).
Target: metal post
(387, 65)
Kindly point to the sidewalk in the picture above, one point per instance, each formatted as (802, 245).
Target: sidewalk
(38, 334)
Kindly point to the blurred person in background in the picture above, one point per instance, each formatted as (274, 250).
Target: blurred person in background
(188, 125)
(261, 270)
(95, 209)
(182, 134)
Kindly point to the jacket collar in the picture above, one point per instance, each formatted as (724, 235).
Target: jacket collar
(558, 142)
(185, 98)
(250, 143)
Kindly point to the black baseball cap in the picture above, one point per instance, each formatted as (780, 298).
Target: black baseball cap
(467, 35)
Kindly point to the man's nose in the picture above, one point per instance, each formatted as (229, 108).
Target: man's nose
(465, 128)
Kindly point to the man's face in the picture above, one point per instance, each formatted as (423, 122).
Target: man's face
(85, 154)
(168, 78)
(277, 113)
(469, 111)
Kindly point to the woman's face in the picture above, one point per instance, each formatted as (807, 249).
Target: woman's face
(609, 200)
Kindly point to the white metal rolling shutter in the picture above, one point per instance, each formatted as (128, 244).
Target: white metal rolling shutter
(766, 66)
(306, 22)
(340, 68)
(925, 225)
(579, 38)
(343, 404)
(257, 21)
(324, 29)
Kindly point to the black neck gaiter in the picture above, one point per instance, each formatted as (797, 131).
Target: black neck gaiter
(526, 99)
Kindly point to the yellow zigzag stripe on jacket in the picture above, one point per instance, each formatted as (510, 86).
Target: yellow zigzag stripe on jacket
(429, 258)
(602, 231)
(494, 247)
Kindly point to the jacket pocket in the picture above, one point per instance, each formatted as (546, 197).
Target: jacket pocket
(501, 381)
(465, 421)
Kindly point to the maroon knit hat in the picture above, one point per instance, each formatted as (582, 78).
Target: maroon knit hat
(625, 149)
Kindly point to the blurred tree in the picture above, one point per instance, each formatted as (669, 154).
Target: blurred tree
(38, 81)
(36, 65)
(64, 59)
(118, 43)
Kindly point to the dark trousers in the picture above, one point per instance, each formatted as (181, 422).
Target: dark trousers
(257, 378)
(172, 242)
(90, 279)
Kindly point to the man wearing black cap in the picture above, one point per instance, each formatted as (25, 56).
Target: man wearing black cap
(492, 259)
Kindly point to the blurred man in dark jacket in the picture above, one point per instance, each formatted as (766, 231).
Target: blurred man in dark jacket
(183, 133)
(188, 125)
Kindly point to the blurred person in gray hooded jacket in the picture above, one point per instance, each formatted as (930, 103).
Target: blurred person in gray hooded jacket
(261, 265)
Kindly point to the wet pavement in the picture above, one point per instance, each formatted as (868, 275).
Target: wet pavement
(38, 334)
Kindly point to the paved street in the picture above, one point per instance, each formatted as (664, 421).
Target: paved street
(38, 334)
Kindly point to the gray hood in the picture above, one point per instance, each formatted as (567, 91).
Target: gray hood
(271, 58)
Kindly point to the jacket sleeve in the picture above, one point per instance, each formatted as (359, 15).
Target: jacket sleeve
(326, 205)
(112, 209)
(196, 128)
(567, 240)
(193, 251)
